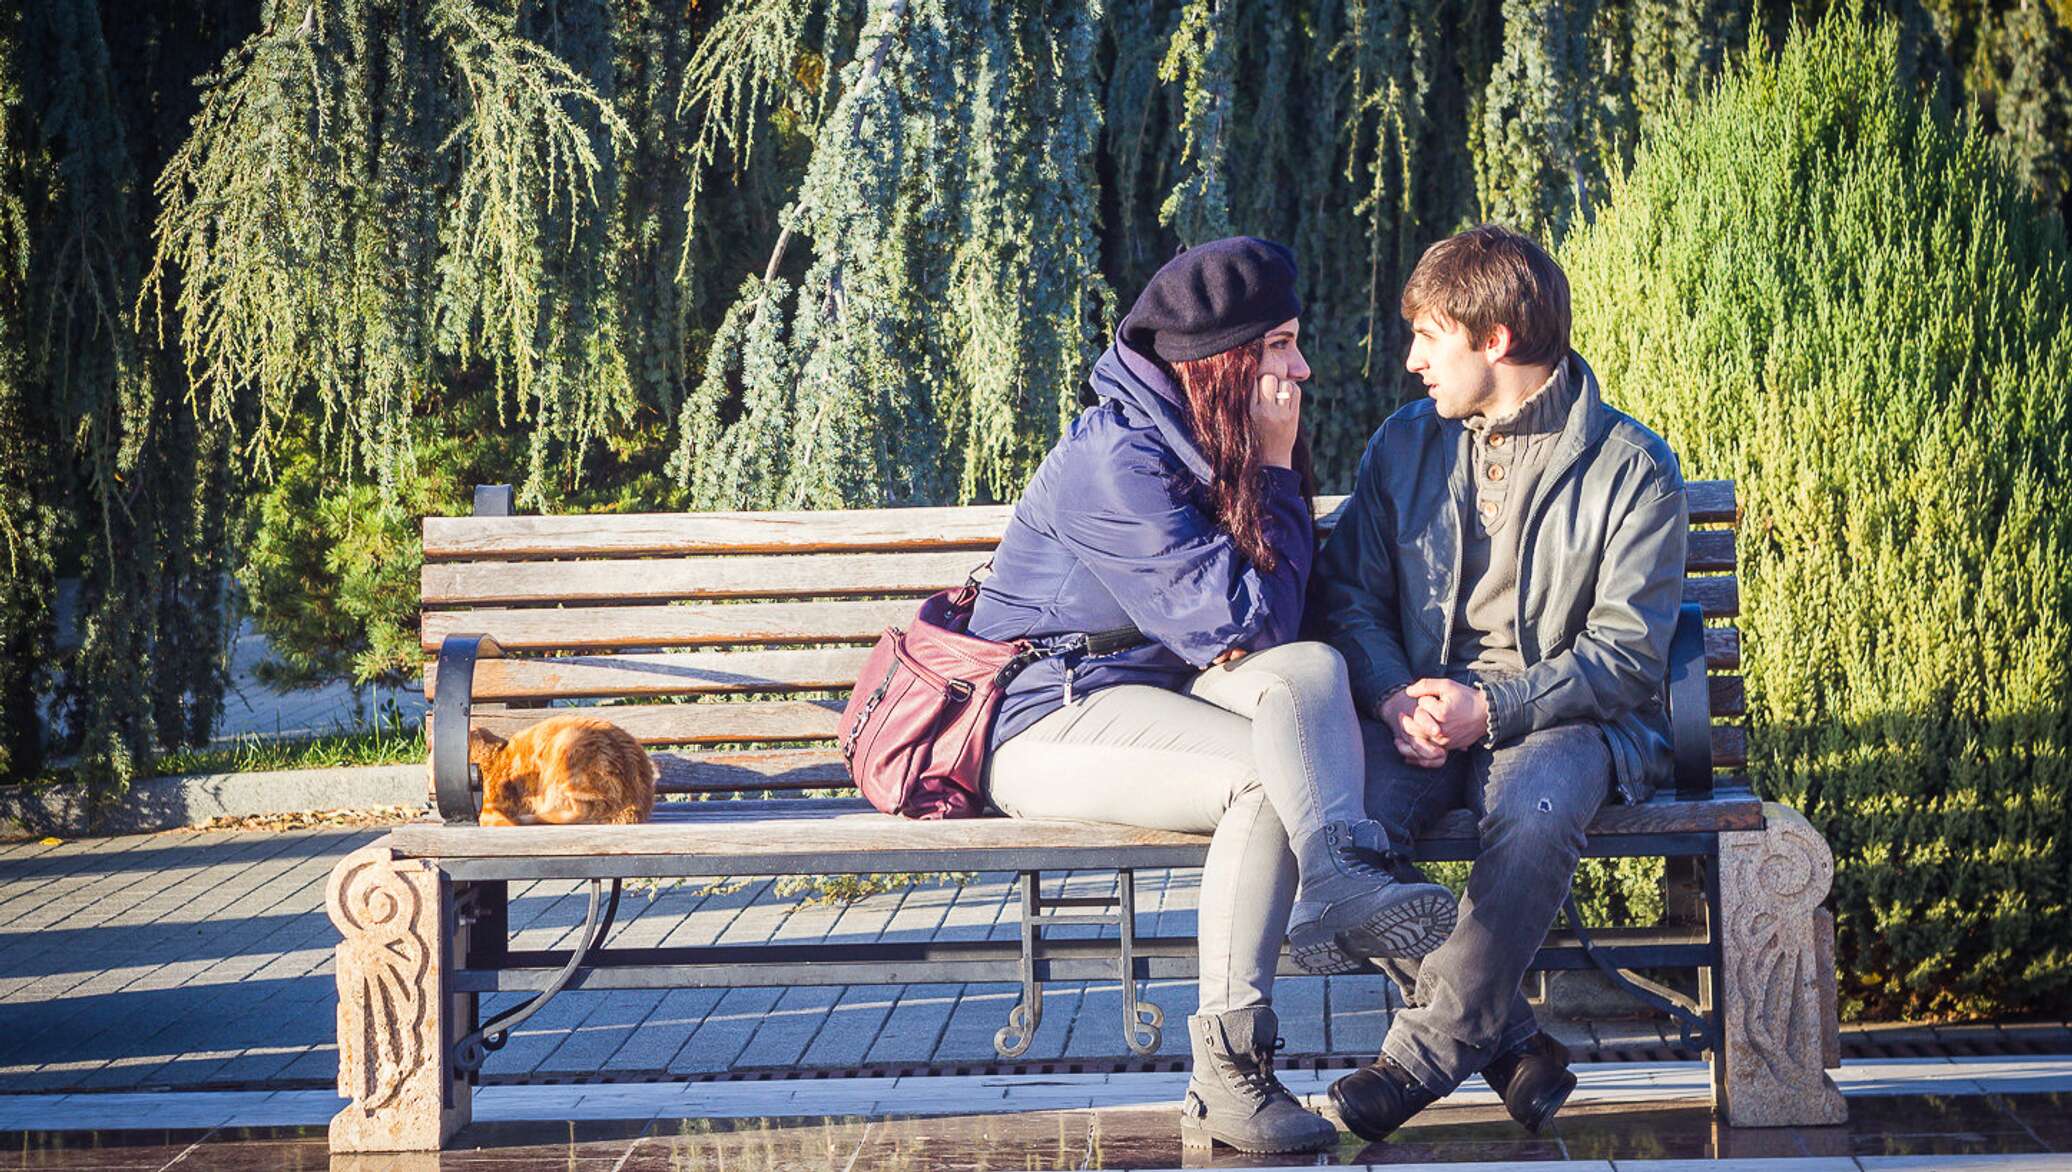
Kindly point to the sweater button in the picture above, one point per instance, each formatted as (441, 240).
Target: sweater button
(1496, 472)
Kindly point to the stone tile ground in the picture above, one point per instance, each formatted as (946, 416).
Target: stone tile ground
(195, 958)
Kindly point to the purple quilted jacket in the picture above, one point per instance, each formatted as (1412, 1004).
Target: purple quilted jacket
(1114, 530)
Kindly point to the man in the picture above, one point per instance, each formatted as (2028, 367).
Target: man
(1503, 585)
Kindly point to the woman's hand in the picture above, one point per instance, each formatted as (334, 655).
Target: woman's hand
(1276, 416)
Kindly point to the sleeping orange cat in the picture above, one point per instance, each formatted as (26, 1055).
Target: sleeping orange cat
(563, 769)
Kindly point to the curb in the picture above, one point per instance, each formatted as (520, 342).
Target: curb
(167, 803)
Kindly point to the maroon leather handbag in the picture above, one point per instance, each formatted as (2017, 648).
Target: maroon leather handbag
(916, 728)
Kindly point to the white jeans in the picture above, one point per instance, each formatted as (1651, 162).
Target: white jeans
(1245, 753)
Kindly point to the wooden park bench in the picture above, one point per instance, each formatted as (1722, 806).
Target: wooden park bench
(727, 640)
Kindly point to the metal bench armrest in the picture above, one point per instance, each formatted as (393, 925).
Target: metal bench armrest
(456, 786)
(1690, 705)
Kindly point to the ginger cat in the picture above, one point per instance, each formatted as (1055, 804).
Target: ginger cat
(564, 769)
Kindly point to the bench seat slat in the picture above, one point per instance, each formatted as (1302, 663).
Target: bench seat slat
(732, 770)
(1723, 648)
(682, 776)
(1712, 502)
(1729, 695)
(694, 673)
(1710, 551)
(847, 835)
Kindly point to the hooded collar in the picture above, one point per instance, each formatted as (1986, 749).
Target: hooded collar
(1149, 395)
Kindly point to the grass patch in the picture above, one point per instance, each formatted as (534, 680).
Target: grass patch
(399, 743)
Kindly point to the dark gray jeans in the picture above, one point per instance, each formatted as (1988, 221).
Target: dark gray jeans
(1534, 798)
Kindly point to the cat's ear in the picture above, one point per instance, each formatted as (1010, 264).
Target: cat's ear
(484, 739)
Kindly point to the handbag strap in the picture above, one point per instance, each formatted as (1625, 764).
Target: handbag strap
(1094, 643)
(1109, 642)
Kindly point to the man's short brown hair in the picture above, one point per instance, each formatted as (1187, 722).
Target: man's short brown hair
(1490, 276)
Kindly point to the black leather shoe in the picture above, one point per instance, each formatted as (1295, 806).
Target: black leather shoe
(1534, 1080)
(1378, 1098)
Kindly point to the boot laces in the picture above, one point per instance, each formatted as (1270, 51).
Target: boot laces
(1361, 860)
(1257, 1077)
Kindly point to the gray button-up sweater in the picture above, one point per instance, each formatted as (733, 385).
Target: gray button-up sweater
(1507, 455)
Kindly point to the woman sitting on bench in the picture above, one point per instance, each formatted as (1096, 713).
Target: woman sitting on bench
(1180, 504)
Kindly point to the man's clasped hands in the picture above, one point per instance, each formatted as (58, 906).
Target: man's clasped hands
(1433, 716)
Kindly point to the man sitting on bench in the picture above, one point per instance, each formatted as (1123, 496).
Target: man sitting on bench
(1503, 585)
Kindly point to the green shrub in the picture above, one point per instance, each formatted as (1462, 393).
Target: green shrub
(330, 567)
(1814, 283)
(330, 562)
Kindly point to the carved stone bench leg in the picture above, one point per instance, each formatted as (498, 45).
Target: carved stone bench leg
(1774, 993)
(396, 1023)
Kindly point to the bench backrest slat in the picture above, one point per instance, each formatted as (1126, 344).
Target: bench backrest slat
(452, 585)
(627, 616)
(953, 527)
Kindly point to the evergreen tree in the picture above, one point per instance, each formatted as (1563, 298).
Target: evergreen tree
(106, 459)
(1850, 304)
(1677, 50)
(1202, 62)
(99, 381)
(2030, 85)
(29, 517)
(379, 195)
(952, 301)
(1539, 163)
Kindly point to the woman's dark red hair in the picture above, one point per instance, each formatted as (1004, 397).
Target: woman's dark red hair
(1219, 391)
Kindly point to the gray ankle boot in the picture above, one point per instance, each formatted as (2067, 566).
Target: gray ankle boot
(1350, 907)
(1234, 1098)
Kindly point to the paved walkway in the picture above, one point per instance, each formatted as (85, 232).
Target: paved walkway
(202, 959)
(195, 958)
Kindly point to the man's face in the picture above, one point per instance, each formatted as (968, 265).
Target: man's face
(1459, 371)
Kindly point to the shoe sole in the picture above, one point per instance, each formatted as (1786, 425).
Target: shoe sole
(1196, 1134)
(1409, 928)
(1542, 1111)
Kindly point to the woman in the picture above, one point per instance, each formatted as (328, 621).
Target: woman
(1180, 504)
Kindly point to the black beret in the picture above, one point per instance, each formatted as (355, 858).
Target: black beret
(1211, 297)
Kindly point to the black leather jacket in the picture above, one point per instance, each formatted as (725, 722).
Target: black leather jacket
(1601, 574)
